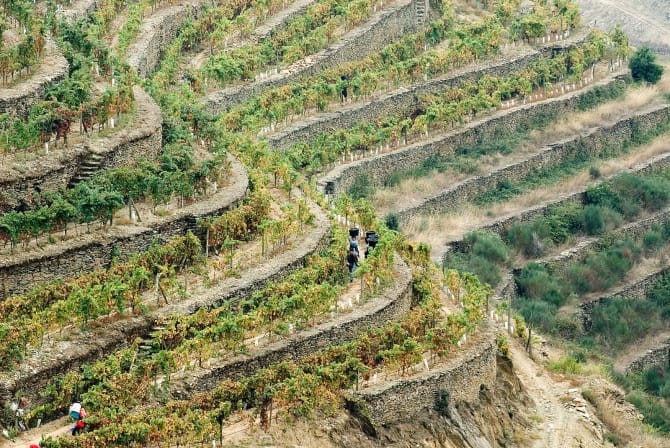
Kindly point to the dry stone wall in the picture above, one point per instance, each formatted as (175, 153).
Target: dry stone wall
(638, 290)
(60, 356)
(403, 99)
(392, 304)
(20, 98)
(462, 378)
(385, 27)
(156, 33)
(22, 272)
(378, 168)
(595, 141)
(654, 357)
(54, 171)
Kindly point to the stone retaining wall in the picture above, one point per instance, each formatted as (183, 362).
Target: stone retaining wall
(24, 271)
(384, 27)
(378, 168)
(54, 171)
(393, 303)
(595, 141)
(462, 378)
(21, 97)
(637, 290)
(655, 357)
(402, 100)
(60, 356)
(155, 35)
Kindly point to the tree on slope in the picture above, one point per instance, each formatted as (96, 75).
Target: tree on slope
(643, 66)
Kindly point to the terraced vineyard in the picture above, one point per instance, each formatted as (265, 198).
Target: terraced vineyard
(178, 184)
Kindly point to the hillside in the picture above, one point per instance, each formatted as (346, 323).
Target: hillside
(333, 223)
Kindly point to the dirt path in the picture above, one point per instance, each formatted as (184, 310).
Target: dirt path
(54, 429)
(560, 425)
(635, 351)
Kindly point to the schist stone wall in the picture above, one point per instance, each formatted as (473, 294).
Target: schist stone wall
(593, 142)
(384, 27)
(392, 304)
(378, 168)
(24, 271)
(462, 378)
(406, 98)
(54, 171)
(21, 97)
(156, 33)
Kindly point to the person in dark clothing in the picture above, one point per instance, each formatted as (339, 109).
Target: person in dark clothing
(352, 261)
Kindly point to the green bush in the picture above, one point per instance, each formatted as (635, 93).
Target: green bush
(537, 314)
(643, 66)
(594, 224)
(602, 270)
(604, 195)
(564, 221)
(660, 293)
(618, 322)
(531, 239)
(655, 412)
(487, 245)
(653, 240)
(361, 188)
(534, 282)
(392, 221)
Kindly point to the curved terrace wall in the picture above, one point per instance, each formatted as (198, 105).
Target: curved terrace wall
(378, 168)
(593, 142)
(60, 356)
(636, 290)
(385, 27)
(462, 378)
(139, 139)
(21, 97)
(403, 99)
(21, 272)
(658, 356)
(156, 33)
(393, 303)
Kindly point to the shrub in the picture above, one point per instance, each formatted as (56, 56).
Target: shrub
(392, 221)
(643, 66)
(660, 294)
(594, 224)
(488, 245)
(594, 172)
(617, 322)
(537, 314)
(564, 221)
(361, 188)
(531, 239)
(655, 413)
(535, 282)
(604, 195)
(566, 365)
(603, 269)
(653, 240)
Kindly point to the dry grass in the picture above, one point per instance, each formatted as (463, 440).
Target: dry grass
(436, 230)
(414, 191)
